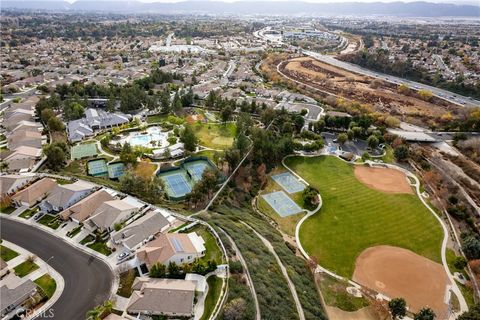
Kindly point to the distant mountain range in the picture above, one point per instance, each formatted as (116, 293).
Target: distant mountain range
(409, 9)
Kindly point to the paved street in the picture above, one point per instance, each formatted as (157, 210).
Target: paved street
(88, 280)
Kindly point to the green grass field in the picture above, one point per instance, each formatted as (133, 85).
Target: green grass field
(47, 284)
(355, 217)
(214, 290)
(25, 268)
(215, 136)
(7, 254)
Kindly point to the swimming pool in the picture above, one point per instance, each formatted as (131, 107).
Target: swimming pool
(153, 138)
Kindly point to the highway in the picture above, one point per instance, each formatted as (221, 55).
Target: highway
(88, 280)
(440, 93)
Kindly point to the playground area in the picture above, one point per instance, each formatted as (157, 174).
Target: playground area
(397, 272)
(289, 182)
(282, 203)
(383, 179)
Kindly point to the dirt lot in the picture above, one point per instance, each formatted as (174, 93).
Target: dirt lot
(398, 272)
(383, 179)
(383, 96)
(338, 314)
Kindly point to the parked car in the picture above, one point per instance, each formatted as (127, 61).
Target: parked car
(123, 255)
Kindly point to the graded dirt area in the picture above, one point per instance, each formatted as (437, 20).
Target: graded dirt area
(383, 179)
(338, 314)
(397, 272)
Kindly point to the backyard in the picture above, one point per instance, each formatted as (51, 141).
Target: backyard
(355, 217)
(214, 290)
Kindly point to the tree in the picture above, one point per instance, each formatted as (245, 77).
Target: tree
(226, 114)
(233, 157)
(235, 309)
(173, 270)
(398, 308)
(310, 198)
(73, 110)
(342, 138)
(460, 263)
(425, 95)
(46, 114)
(372, 141)
(471, 246)
(472, 314)
(189, 138)
(401, 152)
(241, 143)
(158, 270)
(56, 154)
(425, 314)
(127, 155)
(54, 124)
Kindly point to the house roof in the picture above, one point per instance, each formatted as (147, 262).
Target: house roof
(24, 152)
(106, 214)
(30, 138)
(8, 180)
(149, 224)
(62, 193)
(87, 206)
(15, 292)
(165, 246)
(36, 191)
(163, 296)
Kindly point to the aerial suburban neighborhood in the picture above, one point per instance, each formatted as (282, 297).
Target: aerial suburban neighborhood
(240, 160)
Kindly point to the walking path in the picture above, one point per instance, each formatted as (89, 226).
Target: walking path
(291, 286)
(247, 273)
(44, 268)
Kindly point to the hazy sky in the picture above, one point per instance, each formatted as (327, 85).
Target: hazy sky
(314, 1)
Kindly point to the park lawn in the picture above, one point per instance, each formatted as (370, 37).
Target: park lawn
(214, 135)
(210, 154)
(335, 294)
(355, 217)
(47, 284)
(211, 247)
(25, 268)
(7, 254)
(214, 290)
(286, 224)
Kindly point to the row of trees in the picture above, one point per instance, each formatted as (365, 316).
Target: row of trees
(174, 271)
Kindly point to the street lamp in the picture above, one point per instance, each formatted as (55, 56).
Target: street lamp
(46, 262)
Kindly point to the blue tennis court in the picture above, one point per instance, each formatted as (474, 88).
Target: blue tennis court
(196, 169)
(289, 182)
(282, 203)
(177, 185)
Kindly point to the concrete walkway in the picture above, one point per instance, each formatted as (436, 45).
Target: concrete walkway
(44, 268)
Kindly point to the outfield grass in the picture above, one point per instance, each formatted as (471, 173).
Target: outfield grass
(47, 284)
(355, 217)
(215, 136)
(335, 294)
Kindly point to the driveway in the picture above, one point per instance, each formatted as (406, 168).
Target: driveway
(88, 280)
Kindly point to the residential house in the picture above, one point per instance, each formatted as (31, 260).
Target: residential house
(65, 195)
(14, 116)
(109, 214)
(169, 297)
(14, 293)
(84, 208)
(34, 193)
(141, 230)
(10, 183)
(21, 158)
(172, 247)
(26, 137)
